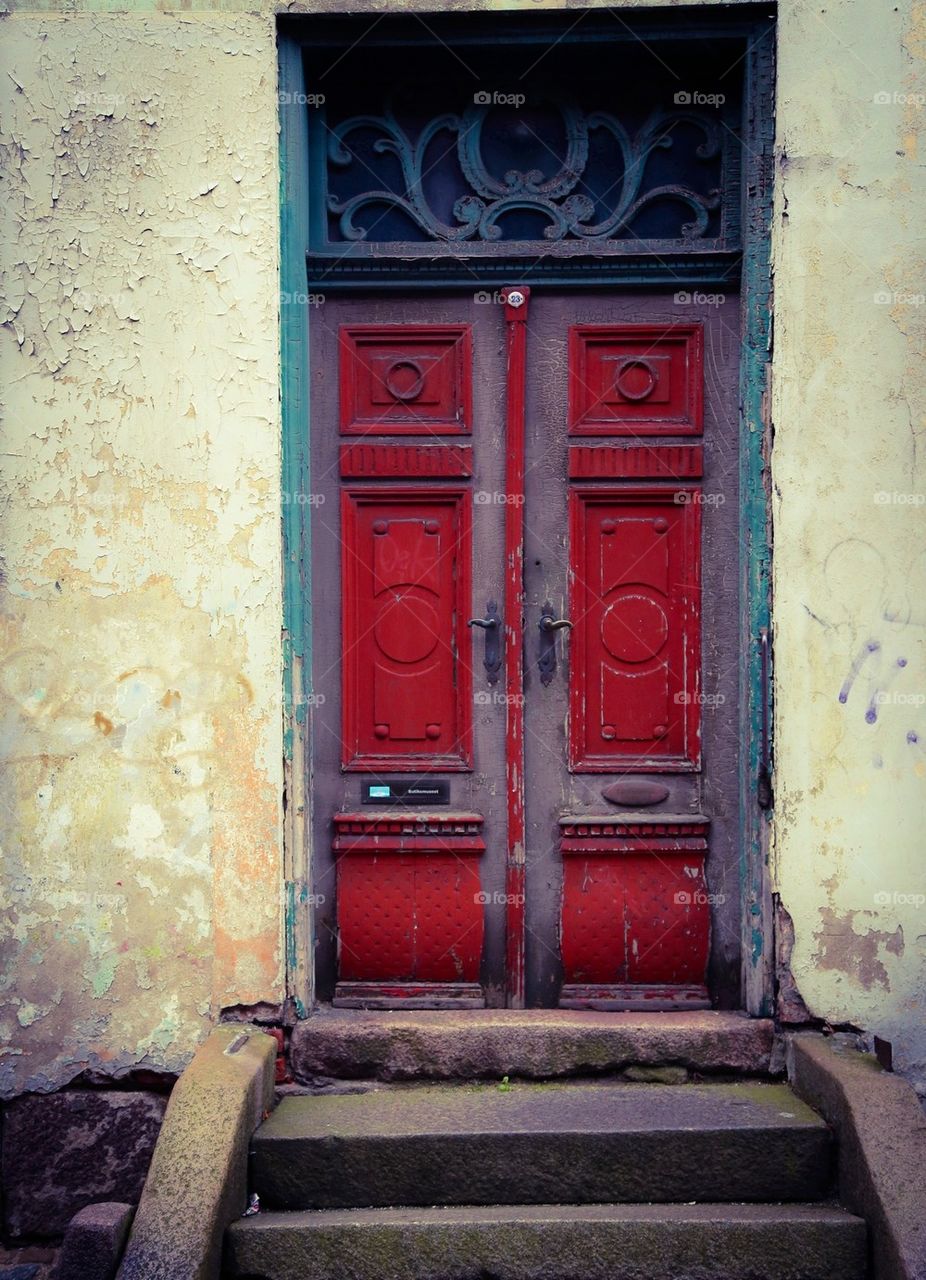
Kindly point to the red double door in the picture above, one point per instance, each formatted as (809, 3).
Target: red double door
(525, 619)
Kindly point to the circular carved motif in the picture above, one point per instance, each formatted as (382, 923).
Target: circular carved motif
(635, 379)
(404, 379)
(634, 628)
(406, 628)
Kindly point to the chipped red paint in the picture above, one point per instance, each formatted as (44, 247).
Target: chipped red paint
(402, 379)
(406, 695)
(635, 916)
(516, 387)
(409, 995)
(281, 1073)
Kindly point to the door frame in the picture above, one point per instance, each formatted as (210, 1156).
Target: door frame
(755, 794)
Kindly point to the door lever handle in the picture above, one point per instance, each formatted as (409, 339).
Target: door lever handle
(491, 625)
(549, 624)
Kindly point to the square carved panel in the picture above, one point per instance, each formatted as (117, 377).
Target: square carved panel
(404, 379)
(643, 379)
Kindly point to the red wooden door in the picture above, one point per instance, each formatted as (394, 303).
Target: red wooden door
(524, 523)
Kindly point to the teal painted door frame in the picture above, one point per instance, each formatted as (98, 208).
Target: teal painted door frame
(755, 673)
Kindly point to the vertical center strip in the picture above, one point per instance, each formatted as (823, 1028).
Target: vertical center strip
(516, 302)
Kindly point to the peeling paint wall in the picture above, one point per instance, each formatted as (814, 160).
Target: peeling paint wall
(141, 666)
(850, 513)
(143, 756)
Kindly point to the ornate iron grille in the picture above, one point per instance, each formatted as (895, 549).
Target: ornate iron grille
(609, 154)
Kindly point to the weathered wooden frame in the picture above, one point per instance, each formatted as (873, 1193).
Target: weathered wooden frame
(752, 271)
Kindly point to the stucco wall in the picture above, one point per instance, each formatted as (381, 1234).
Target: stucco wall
(850, 539)
(142, 735)
(143, 747)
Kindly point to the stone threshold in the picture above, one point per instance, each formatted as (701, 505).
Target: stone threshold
(536, 1044)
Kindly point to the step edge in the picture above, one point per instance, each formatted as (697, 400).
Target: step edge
(803, 1131)
(793, 1212)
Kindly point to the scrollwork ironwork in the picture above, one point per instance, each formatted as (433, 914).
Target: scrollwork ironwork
(569, 213)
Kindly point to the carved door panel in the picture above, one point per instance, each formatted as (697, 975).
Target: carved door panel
(610, 540)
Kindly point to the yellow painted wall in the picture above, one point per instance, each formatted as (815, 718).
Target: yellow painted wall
(849, 468)
(142, 734)
(142, 668)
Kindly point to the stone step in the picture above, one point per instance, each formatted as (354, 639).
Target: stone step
(541, 1143)
(540, 1044)
(552, 1242)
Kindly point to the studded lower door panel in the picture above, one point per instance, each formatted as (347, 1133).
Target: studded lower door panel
(410, 909)
(636, 916)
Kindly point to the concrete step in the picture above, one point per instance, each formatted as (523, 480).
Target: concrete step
(541, 1143)
(552, 1242)
(540, 1044)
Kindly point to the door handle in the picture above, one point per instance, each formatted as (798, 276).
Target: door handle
(549, 624)
(491, 625)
